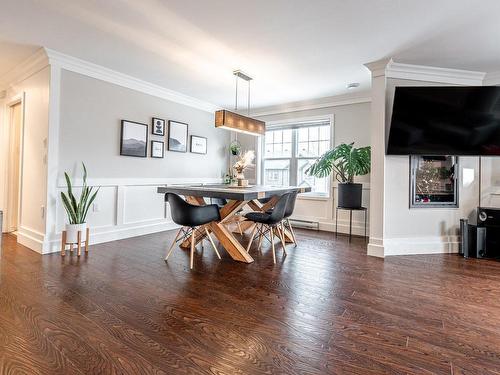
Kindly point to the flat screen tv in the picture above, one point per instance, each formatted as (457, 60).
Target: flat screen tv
(445, 121)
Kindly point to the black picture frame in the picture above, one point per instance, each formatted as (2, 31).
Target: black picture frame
(177, 129)
(194, 149)
(158, 126)
(153, 149)
(136, 145)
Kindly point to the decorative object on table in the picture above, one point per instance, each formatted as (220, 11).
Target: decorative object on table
(346, 162)
(134, 139)
(177, 136)
(77, 230)
(236, 122)
(157, 149)
(229, 177)
(158, 126)
(198, 144)
(235, 148)
(244, 162)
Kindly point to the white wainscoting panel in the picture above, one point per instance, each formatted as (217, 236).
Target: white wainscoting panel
(142, 204)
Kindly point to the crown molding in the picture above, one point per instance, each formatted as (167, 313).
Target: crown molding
(102, 73)
(332, 101)
(378, 68)
(391, 69)
(25, 69)
(434, 74)
(492, 79)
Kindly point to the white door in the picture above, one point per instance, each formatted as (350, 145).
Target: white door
(14, 167)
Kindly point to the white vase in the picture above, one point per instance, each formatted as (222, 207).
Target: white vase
(72, 232)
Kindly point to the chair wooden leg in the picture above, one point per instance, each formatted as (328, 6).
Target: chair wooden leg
(261, 236)
(79, 245)
(292, 232)
(171, 248)
(281, 231)
(63, 243)
(192, 249)
(239, 227)
(212, 242)
(87, 240)
(251, 238)
(272, 244)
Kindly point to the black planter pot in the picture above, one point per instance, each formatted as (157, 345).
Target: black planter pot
(350, 195)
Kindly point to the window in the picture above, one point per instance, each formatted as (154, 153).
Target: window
(290, 149)
(434, 181)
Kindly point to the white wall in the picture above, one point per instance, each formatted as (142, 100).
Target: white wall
(89, 131)
(35, 89)
(351, 124)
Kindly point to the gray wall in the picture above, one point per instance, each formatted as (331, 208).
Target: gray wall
(91, 111)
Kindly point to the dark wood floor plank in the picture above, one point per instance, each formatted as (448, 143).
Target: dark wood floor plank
(325, 308)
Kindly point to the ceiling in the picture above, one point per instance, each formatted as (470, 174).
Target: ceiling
(294, 49)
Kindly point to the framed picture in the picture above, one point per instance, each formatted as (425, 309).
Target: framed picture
(198, 144)
(177, 136)
(134, 139)
(157, 149)
(158, 126)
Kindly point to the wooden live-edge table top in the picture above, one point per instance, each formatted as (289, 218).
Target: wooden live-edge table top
(232, 193)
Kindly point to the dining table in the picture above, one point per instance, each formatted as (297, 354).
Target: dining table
(238, 198)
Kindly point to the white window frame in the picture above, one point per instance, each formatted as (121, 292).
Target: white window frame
(270, 125)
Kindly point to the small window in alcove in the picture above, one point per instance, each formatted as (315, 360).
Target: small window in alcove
(433, 181)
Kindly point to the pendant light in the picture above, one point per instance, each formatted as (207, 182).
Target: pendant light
(225, 119)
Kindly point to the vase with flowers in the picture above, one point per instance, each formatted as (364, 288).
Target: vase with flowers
(244, 162)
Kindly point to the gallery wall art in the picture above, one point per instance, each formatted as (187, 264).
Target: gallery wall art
(134, 139)
(177, 136)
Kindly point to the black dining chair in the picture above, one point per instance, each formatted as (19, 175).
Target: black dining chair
(290, 207)
(268, 223)
(191, 218)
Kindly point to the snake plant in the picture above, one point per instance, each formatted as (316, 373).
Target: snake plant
(77, 210)
(345, 161)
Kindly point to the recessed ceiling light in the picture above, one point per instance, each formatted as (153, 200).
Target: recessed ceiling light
(352, 85)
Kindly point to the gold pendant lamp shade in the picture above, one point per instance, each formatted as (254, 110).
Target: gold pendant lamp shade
(233, 121)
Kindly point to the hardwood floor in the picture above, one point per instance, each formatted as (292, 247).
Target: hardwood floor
(326, 308)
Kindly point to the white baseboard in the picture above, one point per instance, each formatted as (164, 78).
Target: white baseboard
(375, 247)
(413, 246)
(358, 227)
(32, 239)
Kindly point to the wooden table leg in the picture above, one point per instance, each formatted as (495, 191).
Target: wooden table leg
(230, 243)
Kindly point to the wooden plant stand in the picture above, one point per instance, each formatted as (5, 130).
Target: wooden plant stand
(78, 244)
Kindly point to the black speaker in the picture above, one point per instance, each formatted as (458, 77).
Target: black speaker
(488, 235)
(477, 241)
(463, 249)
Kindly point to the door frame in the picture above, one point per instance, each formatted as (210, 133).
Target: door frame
(17, 99)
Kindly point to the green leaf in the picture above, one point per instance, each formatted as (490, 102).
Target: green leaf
(77, 210)
(344, 161)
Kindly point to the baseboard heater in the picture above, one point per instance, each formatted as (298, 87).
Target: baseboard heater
(305, 224)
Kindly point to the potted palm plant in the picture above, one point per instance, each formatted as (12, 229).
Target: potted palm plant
(77, 210)
(345, 162)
